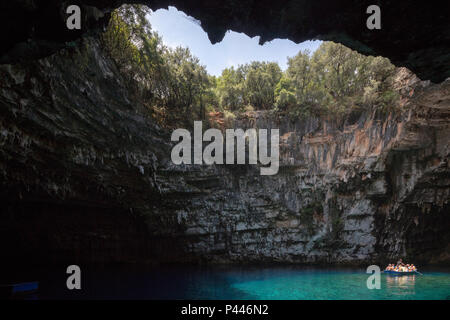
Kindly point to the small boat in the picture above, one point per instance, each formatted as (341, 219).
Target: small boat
(401, 273)
(18, 290)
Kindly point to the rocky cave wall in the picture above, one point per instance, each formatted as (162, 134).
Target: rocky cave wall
(372, 190)
(86, 176)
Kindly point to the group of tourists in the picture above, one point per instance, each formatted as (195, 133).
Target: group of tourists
(401, 267)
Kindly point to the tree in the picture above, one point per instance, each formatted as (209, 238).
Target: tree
(259, 85)
(172, 80)
(252, 84)
(230, 90)
(300, 72)
(131, 43)
(285, 98)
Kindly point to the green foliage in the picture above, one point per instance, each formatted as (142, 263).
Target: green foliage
(130, 42)
(259, 84)
(171, 82)
(230, 89)
(333, 81)
(300, 71)
(285, 100)
(251, 84)
(183, 80)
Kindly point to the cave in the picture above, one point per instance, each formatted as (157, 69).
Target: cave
(86, 176)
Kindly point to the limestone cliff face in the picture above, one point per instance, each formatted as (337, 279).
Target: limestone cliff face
(371, 190)
(86, 176)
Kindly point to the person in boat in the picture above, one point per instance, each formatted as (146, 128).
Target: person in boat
(401, 267)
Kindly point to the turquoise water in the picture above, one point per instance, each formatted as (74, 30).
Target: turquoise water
(292, 283)
(336, 285)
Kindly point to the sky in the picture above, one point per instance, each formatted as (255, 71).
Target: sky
(178, 29)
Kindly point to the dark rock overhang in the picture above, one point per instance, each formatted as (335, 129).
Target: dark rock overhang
(414, 34)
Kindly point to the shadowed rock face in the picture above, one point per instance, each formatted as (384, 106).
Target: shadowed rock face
(414, 34)
(86, 176)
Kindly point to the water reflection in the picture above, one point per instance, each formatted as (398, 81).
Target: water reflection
(401, 281)
(401, 285)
